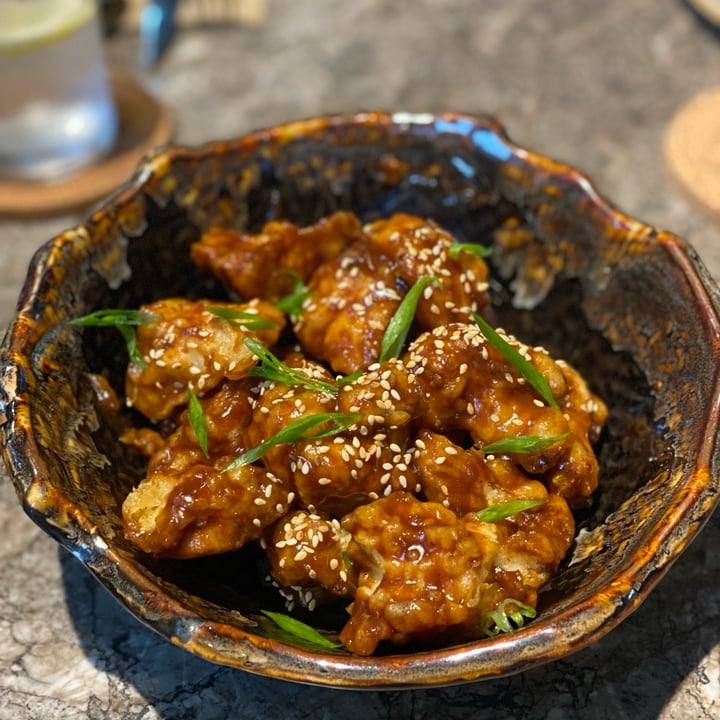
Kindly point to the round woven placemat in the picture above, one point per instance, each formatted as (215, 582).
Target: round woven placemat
(143, 124)
(692, 150)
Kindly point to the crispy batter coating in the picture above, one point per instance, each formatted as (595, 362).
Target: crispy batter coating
(202, 510)
(467, 385)
(254, 266)
(189, 346)
(382, 513)
(306, 555)
(355, 295)
(335, 473)
(188, 505)
(420, 572)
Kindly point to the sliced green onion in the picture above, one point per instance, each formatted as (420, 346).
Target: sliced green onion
(503, 620)
(130, 337)
(271, 368)
(523, 444)
(482, 251)
(115, 318)
(523, 366)
(291, 304)
(125, 322)
(198, 421)
(347, 379)
(500, 511)
(299, 429)
(247, 320)
(301, 630)
(399, 325)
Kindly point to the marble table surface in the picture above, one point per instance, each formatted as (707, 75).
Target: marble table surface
(592, 83)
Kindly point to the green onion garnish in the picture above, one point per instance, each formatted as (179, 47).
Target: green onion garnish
(347, 379)
(198, 421)
(482, 251)
(299, 429)
(500, 511)
(291, 304)
(497, 621)
(301, 630)
(523, 444)
(523, 366)
(125, 322)
(397, 330)
(247, 320)
(271, 368)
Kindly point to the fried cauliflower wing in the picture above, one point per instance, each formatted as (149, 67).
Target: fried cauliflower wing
(256, 265)
(355, 295)
(188, 345)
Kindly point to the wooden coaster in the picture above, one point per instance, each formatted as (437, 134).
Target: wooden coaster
(708, 10)
(692, 150)
(143, 125)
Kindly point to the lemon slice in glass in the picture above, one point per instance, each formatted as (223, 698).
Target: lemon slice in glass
(27, 24)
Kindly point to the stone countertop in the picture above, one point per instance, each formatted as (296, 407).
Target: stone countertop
(594, 84)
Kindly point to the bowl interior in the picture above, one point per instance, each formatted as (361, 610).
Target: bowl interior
(624, 303)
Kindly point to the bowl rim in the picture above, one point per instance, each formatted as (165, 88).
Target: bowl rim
(582, 623)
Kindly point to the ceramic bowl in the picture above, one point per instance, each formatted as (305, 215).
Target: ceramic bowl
(630, 306)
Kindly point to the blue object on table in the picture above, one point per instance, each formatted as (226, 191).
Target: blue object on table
(157, 26)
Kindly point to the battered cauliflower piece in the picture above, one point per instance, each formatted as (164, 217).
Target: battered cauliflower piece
(354, 296)
(424, 572)
(256, 265)
(420, 572)
(187, 345)
(370, 459)
(306, 552)
(468, 385)
(202, 510)
(189, 504)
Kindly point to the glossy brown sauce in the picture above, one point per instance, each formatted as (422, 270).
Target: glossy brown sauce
(381, 516)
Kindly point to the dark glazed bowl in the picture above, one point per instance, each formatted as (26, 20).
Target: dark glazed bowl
(632, 307)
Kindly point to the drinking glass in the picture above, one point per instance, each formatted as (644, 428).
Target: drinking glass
(57, 112)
